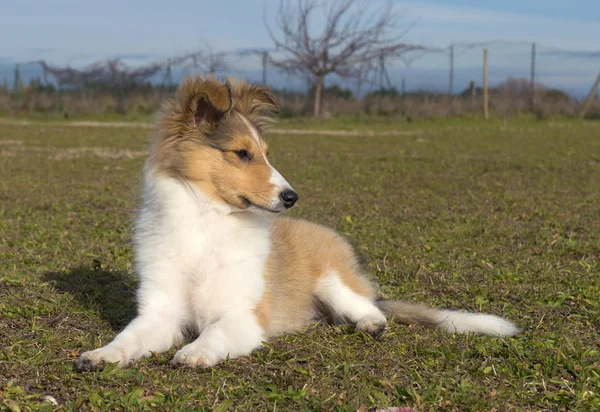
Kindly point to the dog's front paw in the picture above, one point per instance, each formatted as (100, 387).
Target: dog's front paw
(373, 325)
(97, 359)
(194, 355)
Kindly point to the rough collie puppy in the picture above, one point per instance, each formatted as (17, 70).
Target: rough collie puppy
(214, 255)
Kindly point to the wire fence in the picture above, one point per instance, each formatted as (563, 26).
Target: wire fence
(430, 82)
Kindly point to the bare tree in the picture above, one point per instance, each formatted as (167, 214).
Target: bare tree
(114, 74)
(107, 73)
(205, 59)
(352, 37)
(110, 74)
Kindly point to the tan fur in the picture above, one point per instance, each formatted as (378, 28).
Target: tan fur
(204, 153)
(302, 252)
(256, 102)
(225, 177)
(409, 313)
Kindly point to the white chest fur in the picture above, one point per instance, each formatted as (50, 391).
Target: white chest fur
(209, 255)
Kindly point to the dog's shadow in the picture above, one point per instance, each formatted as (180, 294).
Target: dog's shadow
(109, 293)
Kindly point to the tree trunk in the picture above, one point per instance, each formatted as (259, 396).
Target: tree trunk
(318, 96)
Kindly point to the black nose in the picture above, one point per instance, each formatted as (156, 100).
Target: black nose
(289, 198)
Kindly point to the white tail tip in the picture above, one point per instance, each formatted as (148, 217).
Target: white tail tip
(479, 323)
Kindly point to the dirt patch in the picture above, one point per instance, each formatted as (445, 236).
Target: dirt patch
(71, 153)
(102, 152)
(144, 125)
(10, 142)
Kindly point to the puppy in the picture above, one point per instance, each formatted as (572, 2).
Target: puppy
(214, 255)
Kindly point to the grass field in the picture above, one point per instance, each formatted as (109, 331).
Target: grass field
(502, 218)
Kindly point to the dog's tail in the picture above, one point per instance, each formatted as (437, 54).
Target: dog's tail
(447, 320)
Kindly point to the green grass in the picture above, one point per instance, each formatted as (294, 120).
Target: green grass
(502, 218)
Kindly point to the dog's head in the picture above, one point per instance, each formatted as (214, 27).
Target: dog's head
(211, 136)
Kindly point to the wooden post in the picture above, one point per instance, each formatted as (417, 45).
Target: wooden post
(45, 74)
(451, 80)
(318, 95)
(17, 80)
(590, 98)
(381, 70)
(265, 55)
(486, 111)
(402, 93)
(532, 77)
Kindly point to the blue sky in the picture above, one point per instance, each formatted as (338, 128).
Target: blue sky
(78, 32)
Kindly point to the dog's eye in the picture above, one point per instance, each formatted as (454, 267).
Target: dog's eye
(243, 154)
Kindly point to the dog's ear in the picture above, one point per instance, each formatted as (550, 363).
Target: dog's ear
(263, 100)
(210, 105)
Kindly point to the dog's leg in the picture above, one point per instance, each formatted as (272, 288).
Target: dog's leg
(157, 328)
(234, 334)
(349, 298)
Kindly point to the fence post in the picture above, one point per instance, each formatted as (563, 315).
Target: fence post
(532, 77)
(472, 92)
(402, 93)
(45, 74)
(590, 98)
(451, 80)
(381, 69)
(264, 65)
(486, 111)
(17, 80)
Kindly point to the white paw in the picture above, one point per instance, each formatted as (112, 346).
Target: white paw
(194, 355)
(97, 359)
(375, 325)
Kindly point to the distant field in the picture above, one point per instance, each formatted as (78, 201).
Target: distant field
(502, 218)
